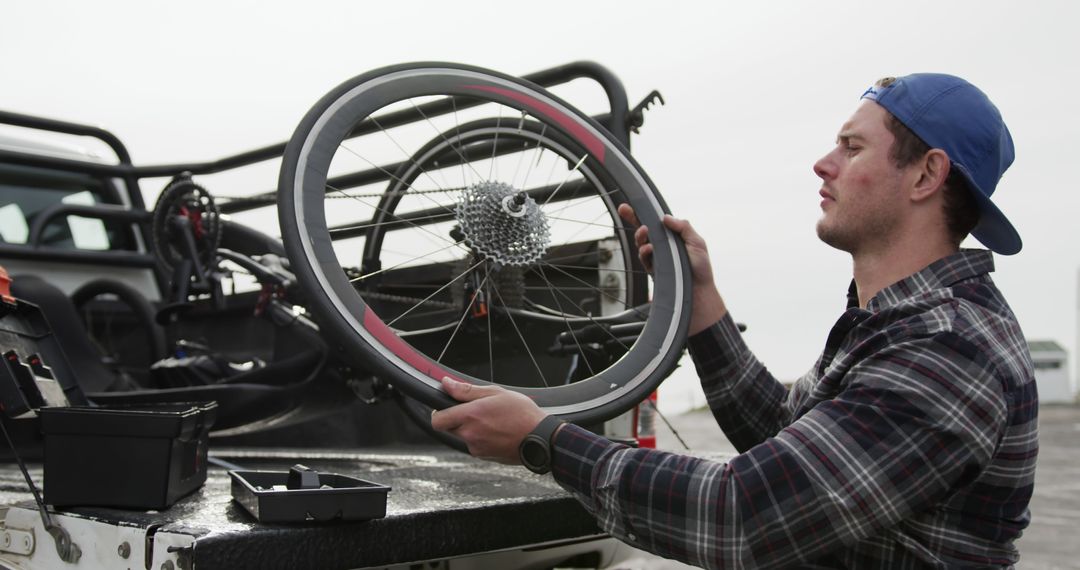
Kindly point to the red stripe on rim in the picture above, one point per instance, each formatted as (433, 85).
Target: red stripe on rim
(403, 350)
(592, 144)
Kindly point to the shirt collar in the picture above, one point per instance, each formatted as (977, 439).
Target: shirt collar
(945, 272)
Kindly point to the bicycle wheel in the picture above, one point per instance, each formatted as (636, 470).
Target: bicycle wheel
(445, 220)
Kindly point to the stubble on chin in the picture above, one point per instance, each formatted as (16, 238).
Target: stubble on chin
(832, 236)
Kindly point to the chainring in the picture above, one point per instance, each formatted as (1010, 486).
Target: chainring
(184, 198)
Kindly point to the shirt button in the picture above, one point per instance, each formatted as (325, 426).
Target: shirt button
(631, 537)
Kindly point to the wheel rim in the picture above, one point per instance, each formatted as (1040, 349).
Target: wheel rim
(545, 126)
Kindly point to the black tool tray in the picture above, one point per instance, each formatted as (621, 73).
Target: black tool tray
(301, 494)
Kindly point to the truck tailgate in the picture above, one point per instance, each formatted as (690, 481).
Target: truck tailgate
(443, 504)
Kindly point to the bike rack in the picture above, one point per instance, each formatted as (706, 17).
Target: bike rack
(616, 121)
(619, 121)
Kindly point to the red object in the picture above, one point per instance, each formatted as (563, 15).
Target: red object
(645, 422)
(5, 287)
(479, 307)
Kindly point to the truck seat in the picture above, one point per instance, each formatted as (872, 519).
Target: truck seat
(242, 398)
(69, 331)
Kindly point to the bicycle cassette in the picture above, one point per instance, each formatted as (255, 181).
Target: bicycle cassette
(503, 224)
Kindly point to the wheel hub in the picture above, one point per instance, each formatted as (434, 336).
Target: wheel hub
(502, 224)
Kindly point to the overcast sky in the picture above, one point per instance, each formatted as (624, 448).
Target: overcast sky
(756, 92)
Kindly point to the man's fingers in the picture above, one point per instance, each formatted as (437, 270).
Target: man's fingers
(677, 225)
(683, 229)
(641, 236)
(645, 254)
(445, 420)
(641, 233)
(466, 392)
(454, 417)
(628, 215)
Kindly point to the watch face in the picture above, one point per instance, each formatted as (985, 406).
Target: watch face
(535, 454)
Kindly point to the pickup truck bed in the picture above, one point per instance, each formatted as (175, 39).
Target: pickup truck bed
(443, 504)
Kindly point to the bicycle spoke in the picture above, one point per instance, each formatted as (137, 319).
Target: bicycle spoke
(408, 286)
(442, 174)
(495, 145)
(465, 313)
(543, 130)
(570, 330)
(565, 180)
(491, 347)
(464, 160)
(586, 315)
(523, 341)
(412, 160)
(396, 219)
(403, 151)
(564, 288)
(587, 284)
(393, 176)
(585, 227)
(524, 147)
(583, 200)
(374, 273)
(551, 172)
(563, 257)
(572, 221)
(517, 168)
(376, 208)
(423, 314)
(393, 221)
(437, 291)
(419, 332)
(457, 131)
(612, 269)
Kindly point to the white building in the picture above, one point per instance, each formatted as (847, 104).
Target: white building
(1051, 372)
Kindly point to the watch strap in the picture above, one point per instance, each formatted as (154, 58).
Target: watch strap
(547, 427)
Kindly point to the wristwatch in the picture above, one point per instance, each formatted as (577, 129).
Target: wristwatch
(535, 449)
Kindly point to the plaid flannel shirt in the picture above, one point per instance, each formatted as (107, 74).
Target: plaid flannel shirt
(911, 443)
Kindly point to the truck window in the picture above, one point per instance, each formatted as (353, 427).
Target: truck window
(24, 194)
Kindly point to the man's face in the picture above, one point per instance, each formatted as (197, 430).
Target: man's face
(861, 186)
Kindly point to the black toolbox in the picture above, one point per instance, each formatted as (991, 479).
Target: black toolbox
(143, 457)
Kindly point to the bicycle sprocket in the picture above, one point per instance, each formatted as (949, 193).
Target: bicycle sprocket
(503, 224)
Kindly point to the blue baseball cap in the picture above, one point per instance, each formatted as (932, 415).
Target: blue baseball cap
(953, 115)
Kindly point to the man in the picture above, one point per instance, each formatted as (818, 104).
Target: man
(910, 443)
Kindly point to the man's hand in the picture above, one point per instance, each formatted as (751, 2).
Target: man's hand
(492, 420)
(707, 306)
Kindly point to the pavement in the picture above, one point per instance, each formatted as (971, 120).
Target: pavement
(1052, 542)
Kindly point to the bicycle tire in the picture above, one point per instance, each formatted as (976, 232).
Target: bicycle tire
(368, 341)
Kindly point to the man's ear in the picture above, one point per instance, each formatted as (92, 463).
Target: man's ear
(931, 173)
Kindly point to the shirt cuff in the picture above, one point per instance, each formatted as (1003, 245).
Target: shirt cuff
(718, 346)
(578, 452)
